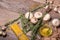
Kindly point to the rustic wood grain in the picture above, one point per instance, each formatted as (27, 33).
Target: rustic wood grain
(9, 10)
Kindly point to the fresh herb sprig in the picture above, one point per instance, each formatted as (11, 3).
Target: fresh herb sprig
(35, 29)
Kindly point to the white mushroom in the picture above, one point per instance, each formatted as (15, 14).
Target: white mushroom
(55, 22)
(55, 9)
(38, 15)
(34, 20)
(46, 17)
(28, 14)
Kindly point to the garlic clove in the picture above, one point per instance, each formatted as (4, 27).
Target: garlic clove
(55, 22)
(38, 15)
(28, 14)
(46, 17)
(34, 20)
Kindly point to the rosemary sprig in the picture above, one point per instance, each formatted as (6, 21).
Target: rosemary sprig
(39, 7)
(24, 23)
(12, 21)
(35, 29)
(37, 26)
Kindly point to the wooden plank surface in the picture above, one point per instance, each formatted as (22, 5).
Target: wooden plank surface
(9, 10)
(6, 16)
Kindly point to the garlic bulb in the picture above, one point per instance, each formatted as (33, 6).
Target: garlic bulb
(46, 17)
(33, 20)
(38, 15)
(28, 14)
(55, 9)
(55, 22)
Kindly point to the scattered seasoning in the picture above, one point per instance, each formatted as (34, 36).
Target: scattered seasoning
(55, 22)
(28, 15)
(34, 20)
(46, 17)
(38, 15)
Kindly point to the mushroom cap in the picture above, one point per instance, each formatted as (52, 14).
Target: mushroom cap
(33, 20)
(28, 14)
(55, 22)
(38, 15)
(46, 17)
